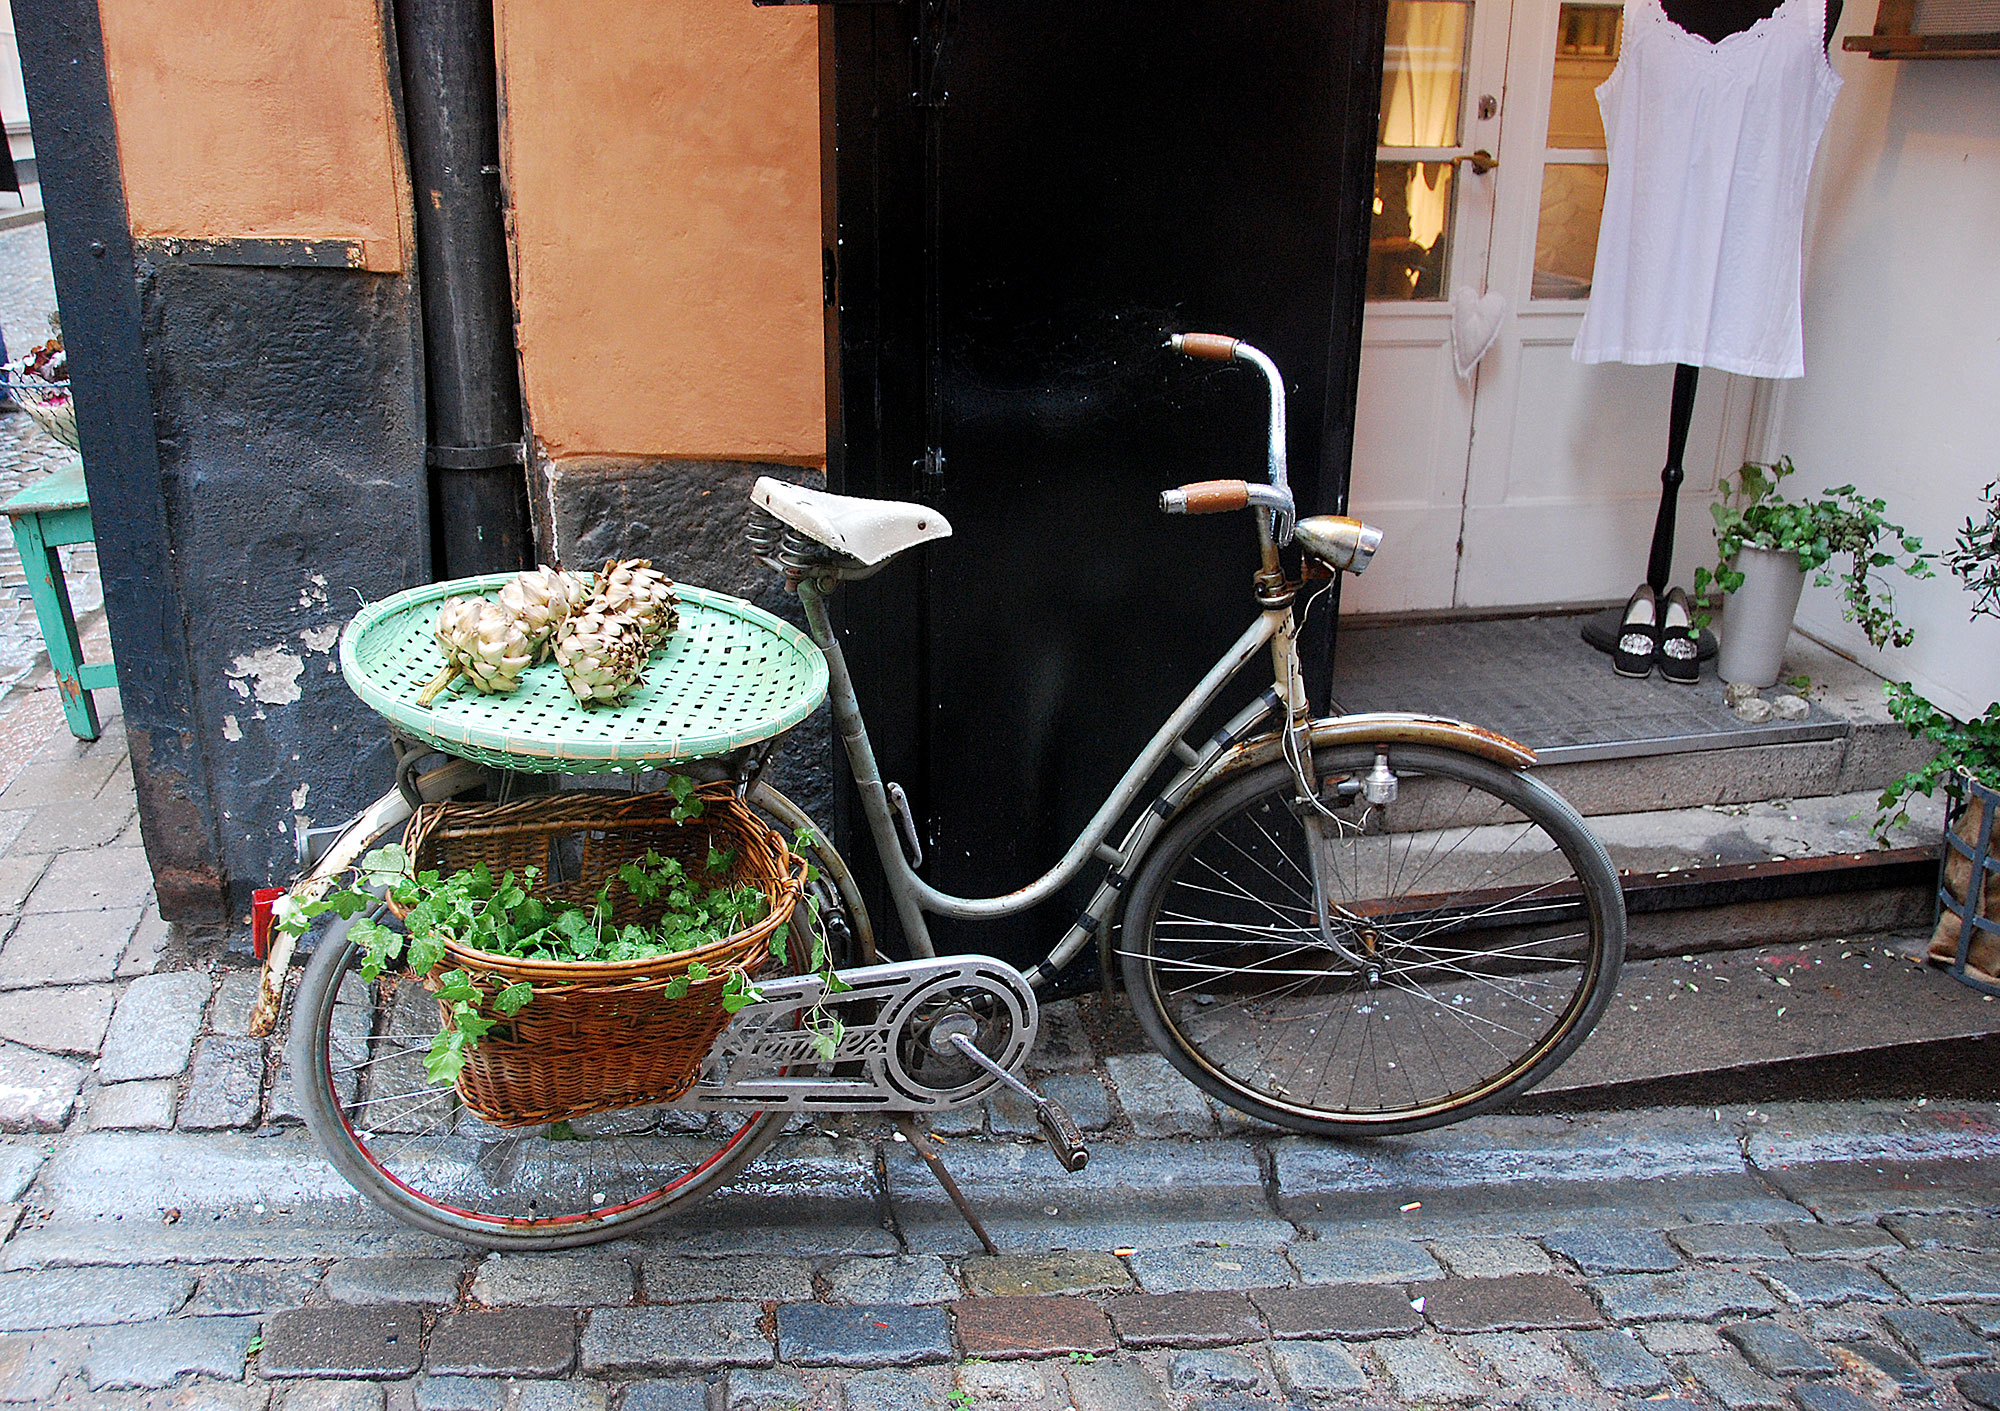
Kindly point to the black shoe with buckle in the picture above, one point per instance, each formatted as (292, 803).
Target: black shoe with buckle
(1638, 634)
(1679, 649)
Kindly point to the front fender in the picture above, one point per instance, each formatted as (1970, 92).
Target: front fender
(1382, 727)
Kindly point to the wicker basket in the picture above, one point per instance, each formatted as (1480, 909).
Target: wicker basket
(48, 403)
(600, 1035)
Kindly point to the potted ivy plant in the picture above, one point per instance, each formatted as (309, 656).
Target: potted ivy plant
(1766, 544)
(1967, 763)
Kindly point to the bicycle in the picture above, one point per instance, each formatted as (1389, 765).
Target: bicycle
(1349, 926)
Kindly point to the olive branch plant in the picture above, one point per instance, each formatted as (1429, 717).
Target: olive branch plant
(503, 916)
(1971, 746)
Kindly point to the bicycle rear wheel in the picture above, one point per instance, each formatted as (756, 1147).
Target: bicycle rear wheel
(1493, 919)
(411, 1146)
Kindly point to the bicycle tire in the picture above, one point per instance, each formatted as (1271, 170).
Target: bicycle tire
(833, 880)
(1463, 965)
(541, 1188)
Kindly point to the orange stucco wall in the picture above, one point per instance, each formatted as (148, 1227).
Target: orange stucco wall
(256, 119)
(662, 163)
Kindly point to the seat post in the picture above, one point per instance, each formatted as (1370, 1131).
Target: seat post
(862, 765)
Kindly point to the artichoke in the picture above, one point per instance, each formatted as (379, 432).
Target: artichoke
(481, 642)
(541, 599)
(636, 589)
(602, 652)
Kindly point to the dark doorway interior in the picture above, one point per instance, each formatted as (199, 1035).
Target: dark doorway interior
(1027, 197)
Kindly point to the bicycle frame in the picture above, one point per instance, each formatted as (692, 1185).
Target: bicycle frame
(915, 899)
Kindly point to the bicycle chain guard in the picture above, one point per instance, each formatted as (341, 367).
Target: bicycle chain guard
(884, 1062)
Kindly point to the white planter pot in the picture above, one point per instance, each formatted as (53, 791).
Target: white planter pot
(1758, 618)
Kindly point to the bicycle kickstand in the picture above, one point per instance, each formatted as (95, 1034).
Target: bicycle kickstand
(920, 1142)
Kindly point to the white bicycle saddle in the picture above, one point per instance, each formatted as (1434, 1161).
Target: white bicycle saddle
(868, 530)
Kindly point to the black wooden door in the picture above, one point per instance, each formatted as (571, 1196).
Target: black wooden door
(1030, 195)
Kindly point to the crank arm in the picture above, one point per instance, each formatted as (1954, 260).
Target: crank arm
(1064, 1136)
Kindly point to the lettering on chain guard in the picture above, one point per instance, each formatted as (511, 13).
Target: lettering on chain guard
(766, 1059)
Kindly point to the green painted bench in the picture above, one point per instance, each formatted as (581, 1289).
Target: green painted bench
(52, 512)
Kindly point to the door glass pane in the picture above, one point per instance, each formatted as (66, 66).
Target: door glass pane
(1423, 94)
(1566, 238)
(1409, 242)
(1423, 65)
(1586, 52)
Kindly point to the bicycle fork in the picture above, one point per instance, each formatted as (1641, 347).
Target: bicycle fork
(1377, 788)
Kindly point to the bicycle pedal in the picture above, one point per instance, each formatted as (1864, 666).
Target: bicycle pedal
(1064, 1137)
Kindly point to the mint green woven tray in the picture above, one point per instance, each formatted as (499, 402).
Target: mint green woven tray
(729, 675)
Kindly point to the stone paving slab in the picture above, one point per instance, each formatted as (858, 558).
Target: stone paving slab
(514, 1342)
(38, 1091)
(75, 1298)
(1695, 1294)
(1184, 1319)
(61, 1019)
(1338, 1310)
(577, 1279)
(1046, 1325)
(342, 1342)
(154, 1030)
(697, 1337)
(108, 1242)
(155, 1355)
(65, 948)
(1515, 1301)
(862, 1335)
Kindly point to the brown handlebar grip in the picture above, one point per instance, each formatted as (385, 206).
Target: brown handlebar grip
(1216, 496)
(1214, 347)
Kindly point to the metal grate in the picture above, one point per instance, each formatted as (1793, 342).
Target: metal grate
(1534, 679)
(729, 675)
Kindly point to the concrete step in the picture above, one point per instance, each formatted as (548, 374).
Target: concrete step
(1774, 870)
(1616, 746)
(1827, 1018)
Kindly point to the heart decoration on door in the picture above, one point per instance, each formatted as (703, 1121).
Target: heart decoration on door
(1475, 326)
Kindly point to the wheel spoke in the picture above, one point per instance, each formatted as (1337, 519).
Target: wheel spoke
(1485, 928)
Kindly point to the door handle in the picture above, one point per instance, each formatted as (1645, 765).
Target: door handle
(1482, 161)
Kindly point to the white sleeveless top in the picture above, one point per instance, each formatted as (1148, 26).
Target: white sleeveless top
(1711, 145)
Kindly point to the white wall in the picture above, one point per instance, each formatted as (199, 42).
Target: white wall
(1902, 322)
(13, 98)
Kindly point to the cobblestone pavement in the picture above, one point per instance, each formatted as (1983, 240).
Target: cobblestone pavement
(175, 1241)
(27, 298)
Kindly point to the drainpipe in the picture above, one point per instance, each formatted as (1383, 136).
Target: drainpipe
(479, 489)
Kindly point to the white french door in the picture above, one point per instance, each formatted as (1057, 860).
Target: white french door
(1535, 480)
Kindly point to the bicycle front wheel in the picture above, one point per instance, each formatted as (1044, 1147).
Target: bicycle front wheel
(1489, 921)
(409, 1144)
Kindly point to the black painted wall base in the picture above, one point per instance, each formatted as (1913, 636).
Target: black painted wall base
(688, 517)
(290, 422)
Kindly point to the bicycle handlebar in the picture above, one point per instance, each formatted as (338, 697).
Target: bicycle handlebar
(1221, 496)
(1210, 347)
(1206, 497)
(1220, 347)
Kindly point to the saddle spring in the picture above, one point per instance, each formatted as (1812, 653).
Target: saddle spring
(784, 549)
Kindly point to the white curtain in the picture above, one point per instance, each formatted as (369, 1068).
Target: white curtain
(1420, 98)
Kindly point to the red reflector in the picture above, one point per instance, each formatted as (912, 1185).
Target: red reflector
(260, 918)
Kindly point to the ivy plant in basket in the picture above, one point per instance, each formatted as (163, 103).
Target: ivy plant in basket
(1766, 544)
(503, 916)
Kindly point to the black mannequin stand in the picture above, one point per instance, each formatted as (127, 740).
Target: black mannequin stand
(1713, 20)
(1601, 629)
